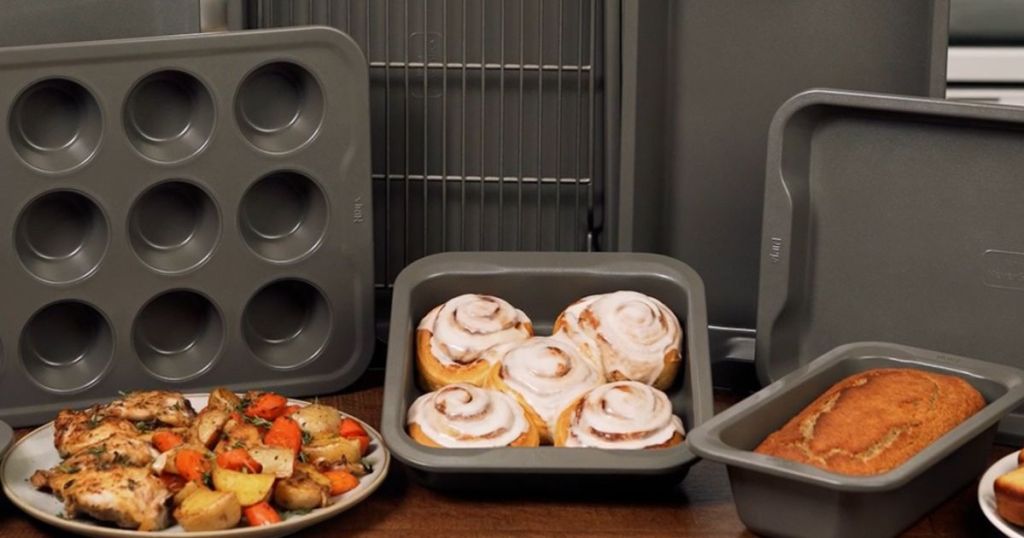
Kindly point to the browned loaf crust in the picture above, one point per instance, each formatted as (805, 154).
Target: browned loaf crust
(872, 422)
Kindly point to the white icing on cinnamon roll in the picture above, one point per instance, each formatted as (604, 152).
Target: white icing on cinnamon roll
(629, 333)
(623, 414)
(465, 326)
(465, 416)
(547, 373)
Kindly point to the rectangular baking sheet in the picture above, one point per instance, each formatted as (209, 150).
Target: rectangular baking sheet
(700, 83)
(897, 219)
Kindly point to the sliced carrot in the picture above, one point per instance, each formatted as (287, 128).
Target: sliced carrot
(284, 433)
(290, 409)
(341, 481)
(166, 440)
(238, 459)
(268, 406)
(353, 430)
(191, 464)
(261, 514)
(172, 482)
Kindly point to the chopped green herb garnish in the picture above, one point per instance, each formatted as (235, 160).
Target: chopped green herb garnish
(208, 479)
(68, 469)
(97, 450)
(306, 438)
(94, 421)
(143, 426)
(258, 422)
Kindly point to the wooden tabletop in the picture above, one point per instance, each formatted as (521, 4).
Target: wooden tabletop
(700, 506)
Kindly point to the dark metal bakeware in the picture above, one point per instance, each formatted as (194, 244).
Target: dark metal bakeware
(488, 119)
(36, 22)
(6, 438)
(183, 212)
(700, 83)
(776, 497)
(986, 22)
(542, 284)
(895, 219)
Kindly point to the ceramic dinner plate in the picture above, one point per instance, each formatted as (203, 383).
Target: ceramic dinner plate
(36, 451)
(987, 496)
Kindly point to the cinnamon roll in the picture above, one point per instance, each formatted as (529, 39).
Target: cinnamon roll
(620, 415)
(544, 375)
(452, 338)
(629, 335)
(466, 416)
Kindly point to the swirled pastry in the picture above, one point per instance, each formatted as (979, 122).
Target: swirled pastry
(544, 374)
(620, 415)
(629, 335)
(452, 338)
(466, 416)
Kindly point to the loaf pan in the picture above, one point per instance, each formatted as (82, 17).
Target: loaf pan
(542, 284)
(183, 212)
(894, 219)
(783, 498)
(701, 81)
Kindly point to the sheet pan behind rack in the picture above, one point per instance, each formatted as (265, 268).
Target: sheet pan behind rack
(701, 81)
(37, 22)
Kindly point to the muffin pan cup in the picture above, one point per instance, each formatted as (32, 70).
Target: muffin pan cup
(777, 497)
(542, 284)
(153, 242)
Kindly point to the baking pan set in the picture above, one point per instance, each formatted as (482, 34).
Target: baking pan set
(183, 212)
(542, 284)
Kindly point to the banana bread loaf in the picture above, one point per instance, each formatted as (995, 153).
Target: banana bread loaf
(872, 422)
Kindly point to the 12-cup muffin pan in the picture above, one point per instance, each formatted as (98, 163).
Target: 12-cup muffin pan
(542, 284)
(777, 497)
(183, 212)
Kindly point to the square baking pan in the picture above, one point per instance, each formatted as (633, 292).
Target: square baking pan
(777, 497)
(542, 284)
(183, 212)
(895, 219)
(701, 80)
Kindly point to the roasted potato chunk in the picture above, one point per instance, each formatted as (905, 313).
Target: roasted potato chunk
(317, 419)
(206, 510)
(300, 492)
(208, 426)
(248, 488)
(279, 462)
(326, 452)
(222, 398)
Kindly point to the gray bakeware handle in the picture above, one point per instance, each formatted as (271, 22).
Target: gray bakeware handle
(706, 441)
